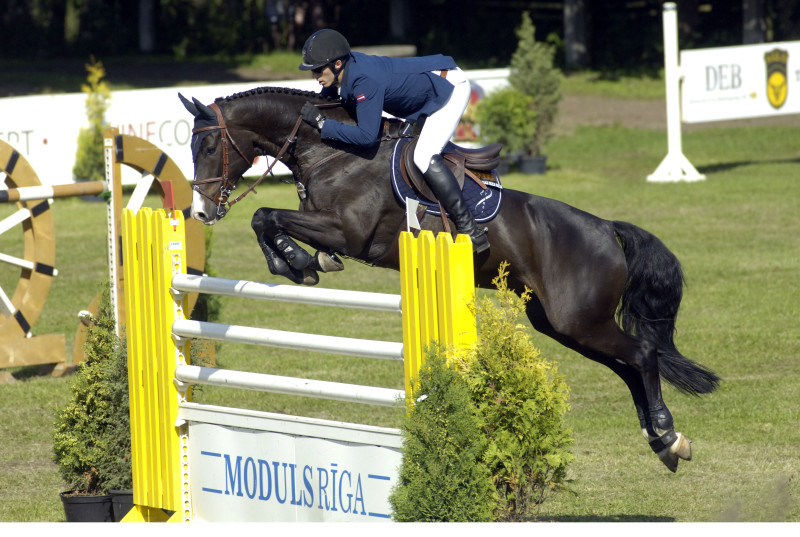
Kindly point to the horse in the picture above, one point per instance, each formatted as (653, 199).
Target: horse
(607, 289)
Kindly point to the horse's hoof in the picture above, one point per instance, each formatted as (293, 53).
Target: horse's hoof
(683, 447)
(669, 459)
(680, 449)
(327, 262)
(310, 277)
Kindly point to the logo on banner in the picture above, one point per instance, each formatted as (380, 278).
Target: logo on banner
(777, 82)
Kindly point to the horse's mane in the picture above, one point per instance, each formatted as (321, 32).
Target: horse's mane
(272, 90)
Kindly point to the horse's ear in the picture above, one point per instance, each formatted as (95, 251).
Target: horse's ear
(204, 110)
(189, 105)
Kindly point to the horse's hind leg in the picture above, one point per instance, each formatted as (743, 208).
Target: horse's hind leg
(655, 420)
(635, 362)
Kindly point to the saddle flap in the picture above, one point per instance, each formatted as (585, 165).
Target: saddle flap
(455, 157)
(412, 175)
(483, 159)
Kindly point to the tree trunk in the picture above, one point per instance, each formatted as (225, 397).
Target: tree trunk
(575, 33)
(147, 27)
(754, 25)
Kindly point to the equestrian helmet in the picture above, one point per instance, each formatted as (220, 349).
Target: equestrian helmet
(322, 48)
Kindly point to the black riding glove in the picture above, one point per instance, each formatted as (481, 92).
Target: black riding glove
(312, 115)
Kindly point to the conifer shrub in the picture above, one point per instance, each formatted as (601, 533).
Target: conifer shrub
(533, 73)
(521, 400)
(508, 117)
(523, 115)
(442, 478)
(91, 439)
(89, 159)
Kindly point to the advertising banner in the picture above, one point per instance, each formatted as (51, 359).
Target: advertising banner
(44, 128)
(250, 475)
(740, 82)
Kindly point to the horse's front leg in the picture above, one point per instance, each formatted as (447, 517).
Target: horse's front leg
(274, 229)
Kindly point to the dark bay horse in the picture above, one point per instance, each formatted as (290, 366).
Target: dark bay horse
(609, 290)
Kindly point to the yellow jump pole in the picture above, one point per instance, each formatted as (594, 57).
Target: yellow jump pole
(437, 285)
(155, 248)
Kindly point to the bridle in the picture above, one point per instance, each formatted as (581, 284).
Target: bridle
(227, 185)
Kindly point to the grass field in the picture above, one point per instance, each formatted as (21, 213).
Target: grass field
(737, 235)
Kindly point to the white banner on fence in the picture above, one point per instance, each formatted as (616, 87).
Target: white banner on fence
(44, 128)
(740, 82)
(249, 475)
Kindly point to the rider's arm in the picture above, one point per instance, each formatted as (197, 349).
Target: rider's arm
(368, 98)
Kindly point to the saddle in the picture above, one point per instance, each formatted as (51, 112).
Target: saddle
(477, 164)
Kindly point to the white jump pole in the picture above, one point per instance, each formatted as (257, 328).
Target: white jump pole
(285, 293)
(321, 389)
(367, 348)
(675, 166)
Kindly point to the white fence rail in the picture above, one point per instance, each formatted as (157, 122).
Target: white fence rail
(265, 337)
(351, 393)
(286, 293)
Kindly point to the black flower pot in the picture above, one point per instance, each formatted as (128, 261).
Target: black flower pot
(503, 167)
(533, 165)
(121, 503)
(79, 508)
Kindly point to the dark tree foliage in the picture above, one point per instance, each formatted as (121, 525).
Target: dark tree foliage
(621, 36)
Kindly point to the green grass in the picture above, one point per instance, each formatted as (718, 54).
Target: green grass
(737, 235)
(627, 87)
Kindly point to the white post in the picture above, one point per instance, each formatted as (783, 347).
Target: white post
(675, 166)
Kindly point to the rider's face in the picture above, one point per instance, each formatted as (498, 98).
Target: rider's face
(325, 75)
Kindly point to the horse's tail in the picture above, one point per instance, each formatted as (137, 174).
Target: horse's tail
(650, 304)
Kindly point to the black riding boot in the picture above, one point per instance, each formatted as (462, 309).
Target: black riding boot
(445, 186)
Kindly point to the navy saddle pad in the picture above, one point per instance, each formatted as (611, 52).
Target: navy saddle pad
(484, 203)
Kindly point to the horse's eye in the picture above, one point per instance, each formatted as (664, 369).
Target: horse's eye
(211, 149)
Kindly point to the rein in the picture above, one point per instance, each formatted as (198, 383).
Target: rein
(220, 199)
(227, 186)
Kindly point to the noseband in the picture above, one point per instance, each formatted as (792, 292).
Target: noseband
(227, 185)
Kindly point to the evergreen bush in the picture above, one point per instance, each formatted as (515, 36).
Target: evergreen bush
(501, 117)
(533, 73)
(442, 478)
(521, 400)
(507, 116)
(89, 159)
(91, 440)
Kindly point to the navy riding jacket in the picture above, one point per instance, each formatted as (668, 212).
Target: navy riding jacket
(403, 87)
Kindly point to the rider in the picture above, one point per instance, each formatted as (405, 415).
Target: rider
(430, 88)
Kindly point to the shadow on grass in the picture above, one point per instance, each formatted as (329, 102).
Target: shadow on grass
(27, 372)
(725, 166)
(611, 518)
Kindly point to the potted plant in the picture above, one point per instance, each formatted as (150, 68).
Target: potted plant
(508, 117)
(91, 439)
(522, 116)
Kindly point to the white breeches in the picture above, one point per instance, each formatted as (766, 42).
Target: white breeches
(441, 125)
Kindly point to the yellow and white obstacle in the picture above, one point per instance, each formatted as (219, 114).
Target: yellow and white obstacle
(202, 462)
